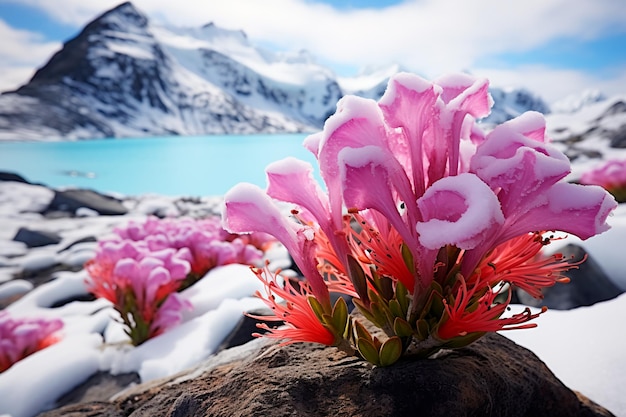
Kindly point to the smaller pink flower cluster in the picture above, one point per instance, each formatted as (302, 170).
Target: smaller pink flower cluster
(208, 243)
(21, 337)
(143, 266)
(611, 176)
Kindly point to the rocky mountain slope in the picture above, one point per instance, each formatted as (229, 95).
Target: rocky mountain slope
(124, 76)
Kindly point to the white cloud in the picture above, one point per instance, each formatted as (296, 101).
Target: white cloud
(427, 36)
(21, 52)
(554, 84)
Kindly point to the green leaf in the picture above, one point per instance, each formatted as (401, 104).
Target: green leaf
(360, 331)
(436, 305)
(385, 286)
(402, 296)
(358, 278)
(390, 351)
(317, 307)
(402, 328)
(368, 351)
(396, 309)
(407, 257)
(340, 316)
(347, 333)
(380, 314)
(423, 329)
(364, 310)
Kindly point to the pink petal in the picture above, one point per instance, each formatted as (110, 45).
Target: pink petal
(291, 180)
(466, 98)
(409, 104)
(358, 122)
(370, 175)
(248, 209)
(465, 93)
(312, 142)
(461, 211)
(522, 167)
(581, 210)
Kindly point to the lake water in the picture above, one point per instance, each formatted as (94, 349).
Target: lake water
(176, 166)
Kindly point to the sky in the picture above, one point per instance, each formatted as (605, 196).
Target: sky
(555, 48)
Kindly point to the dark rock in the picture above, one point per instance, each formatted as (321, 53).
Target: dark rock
(77, 297)
(86, 239)
(618, 137)
(616, 108)
(492, 377)
(11, 176)
(589, 285)
(242, 333)
(99, 387)
(39, 276)
(36, 238)
(93, 409)
(71, 200)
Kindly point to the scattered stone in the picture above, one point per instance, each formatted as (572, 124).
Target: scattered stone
(86, 239)
(492, 377)
(11, 176)
(242, 332)
(589, 285)
(101, 386)
(74, 199)
(36, 238)
(12, 291)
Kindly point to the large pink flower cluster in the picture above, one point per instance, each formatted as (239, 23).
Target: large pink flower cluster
(21, 337)
(141, 268)
(427, 222)
(611, 175)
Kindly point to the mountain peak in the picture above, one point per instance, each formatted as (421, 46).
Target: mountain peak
(73, 58)
(121, 16)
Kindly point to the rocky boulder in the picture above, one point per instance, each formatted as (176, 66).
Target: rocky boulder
(492, 377)
(589, 284)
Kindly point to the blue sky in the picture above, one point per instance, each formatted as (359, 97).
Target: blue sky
(553, 47)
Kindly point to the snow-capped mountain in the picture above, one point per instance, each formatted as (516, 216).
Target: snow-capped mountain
(370, 82)
(590, 135)
(510, 103)
(575, 102)
(124, 76)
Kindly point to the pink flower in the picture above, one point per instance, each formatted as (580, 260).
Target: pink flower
(208, 243)
(141, 269)
(140, 283)
(611, 176)
(418, 195)
(21, 337)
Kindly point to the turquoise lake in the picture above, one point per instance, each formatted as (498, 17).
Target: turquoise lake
(175, 166)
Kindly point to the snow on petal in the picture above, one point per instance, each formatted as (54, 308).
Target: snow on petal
(357, 123)
(522, 167)
(463, 92)
(581, 210)
(466, 98)
(461, 211)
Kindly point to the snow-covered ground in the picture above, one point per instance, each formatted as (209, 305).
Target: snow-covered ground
(583, 347)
